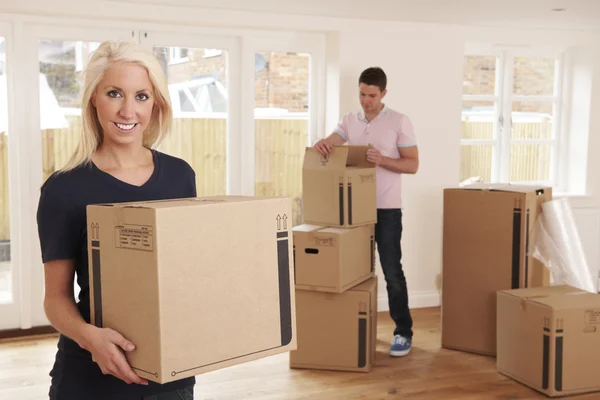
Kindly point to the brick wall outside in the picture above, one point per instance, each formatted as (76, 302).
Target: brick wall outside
(282, 83)
(532, 76)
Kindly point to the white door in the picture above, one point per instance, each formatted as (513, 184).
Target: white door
(49, 79)
(9, 262)
(286, 76)
(201, 70)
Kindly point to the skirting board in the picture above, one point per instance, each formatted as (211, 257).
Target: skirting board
(415, 300)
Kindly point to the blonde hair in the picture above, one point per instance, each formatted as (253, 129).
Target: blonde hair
(107, 54)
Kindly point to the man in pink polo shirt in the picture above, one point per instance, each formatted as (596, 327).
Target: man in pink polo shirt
(394, 153)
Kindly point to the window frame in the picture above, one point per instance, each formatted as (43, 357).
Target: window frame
(25, 169)
(503, 99)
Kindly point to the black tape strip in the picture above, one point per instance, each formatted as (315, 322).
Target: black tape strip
(285, 298)
(349, 203)
(558, 364)
(546, 362)
(362, 342)
(97, 287)
(341, 195)
(516, 248)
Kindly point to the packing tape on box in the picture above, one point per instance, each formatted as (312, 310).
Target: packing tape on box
(556, 243)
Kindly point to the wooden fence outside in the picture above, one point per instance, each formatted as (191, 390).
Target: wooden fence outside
(279, 152)
(528, 162)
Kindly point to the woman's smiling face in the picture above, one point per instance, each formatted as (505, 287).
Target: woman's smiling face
(124, 103)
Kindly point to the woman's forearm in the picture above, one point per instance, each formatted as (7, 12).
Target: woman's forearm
(63, 314)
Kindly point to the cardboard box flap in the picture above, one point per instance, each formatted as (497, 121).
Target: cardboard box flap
(357, 157)
(570, 301)
(336, 160)
(538, 292)
(504, 187)
(341, 157)
(158, 204)
(307, 228)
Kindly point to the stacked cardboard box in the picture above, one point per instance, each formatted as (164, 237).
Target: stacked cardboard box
(497, 299)
(334, 253)
(487, 229)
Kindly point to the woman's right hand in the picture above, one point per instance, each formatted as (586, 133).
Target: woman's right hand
(107, 347)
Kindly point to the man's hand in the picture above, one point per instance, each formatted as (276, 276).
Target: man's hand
(374, 156)
(324, 147)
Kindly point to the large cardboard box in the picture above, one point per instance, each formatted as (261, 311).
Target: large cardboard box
(339, 190)
(333, 259)
(197, 284)
(549, 339)
(486, 239)
(337, 331)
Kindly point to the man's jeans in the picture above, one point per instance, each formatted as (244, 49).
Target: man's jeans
(388, 233)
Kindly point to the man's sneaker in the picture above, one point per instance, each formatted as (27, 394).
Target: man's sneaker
(400, 346)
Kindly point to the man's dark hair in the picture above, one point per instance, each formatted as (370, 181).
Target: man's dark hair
(374, 76)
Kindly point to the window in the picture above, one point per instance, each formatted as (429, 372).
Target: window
(178, 55)
(198, 90)
(6, 268)
(281, 127)
(510, 118)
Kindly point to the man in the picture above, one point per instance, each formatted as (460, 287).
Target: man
(394, 153)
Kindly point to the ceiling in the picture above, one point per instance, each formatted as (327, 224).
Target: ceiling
(577, 14)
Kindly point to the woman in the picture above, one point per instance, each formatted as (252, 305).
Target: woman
(126, 111)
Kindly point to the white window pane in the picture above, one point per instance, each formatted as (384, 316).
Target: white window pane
(6, 278)
(530, 162)
(478, 120)
(198, 90)
(476, 161)
(479, 75)
(532, 120)
(534, 76)
(60, 79)
(281, 124)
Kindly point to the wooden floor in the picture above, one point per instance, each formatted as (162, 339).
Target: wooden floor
(429, 372)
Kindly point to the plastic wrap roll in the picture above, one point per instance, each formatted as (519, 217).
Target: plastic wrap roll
(558, 246)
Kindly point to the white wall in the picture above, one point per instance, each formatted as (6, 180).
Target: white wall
(424, 66)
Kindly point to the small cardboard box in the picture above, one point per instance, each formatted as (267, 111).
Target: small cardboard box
(486, 236)
(339, 190)
(181, 278)
(337, 331)
(333, 259)
(549, 339)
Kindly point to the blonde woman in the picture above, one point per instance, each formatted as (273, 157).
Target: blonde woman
(126, 111)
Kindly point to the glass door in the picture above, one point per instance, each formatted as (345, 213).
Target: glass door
(55, 58)
(202, 88)
(9, 271)
(286, 74)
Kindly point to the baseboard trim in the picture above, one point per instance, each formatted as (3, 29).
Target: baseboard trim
(415, 300)
(23, 334)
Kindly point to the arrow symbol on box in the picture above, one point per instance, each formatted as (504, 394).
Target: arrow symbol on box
(284, 221)
(278, 222)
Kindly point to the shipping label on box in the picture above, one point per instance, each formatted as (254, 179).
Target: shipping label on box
(179, 278)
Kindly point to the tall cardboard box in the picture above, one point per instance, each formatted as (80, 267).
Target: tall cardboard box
(197, 284)
(333, 259)
(337, 331)
(549, 339)
(486, 238)
(339, 190)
